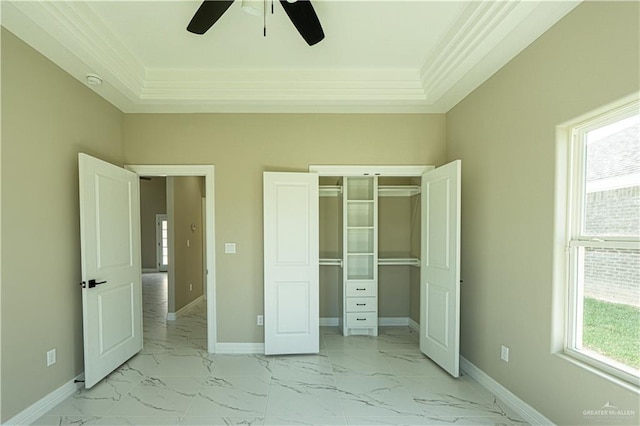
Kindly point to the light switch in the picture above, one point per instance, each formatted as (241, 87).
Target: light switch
(230, 248)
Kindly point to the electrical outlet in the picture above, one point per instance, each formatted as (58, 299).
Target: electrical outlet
(260, 320)
(504, 353)
(190, 287)
(51, 357)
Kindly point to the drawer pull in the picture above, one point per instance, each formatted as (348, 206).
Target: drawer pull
(361, 319)
(361, 289)
(361, 304)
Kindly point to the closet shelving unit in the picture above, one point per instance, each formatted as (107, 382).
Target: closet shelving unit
(360, 244)
(361, 257)
(383, 191)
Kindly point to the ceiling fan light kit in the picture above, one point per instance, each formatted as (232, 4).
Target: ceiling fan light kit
(300, 12)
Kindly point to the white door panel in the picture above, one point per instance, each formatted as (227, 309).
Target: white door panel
(110, 249)
(291, 263)
(292, 301)
(437, 324)
(440, 271)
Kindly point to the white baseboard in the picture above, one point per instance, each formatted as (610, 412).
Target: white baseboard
(524, 410)
(384, 322)
(240, 348)
(149, 270)
(41, 407)
(172, 316)
(414, 325)
(329, 322)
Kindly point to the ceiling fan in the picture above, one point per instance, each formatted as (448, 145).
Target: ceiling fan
(300, 12)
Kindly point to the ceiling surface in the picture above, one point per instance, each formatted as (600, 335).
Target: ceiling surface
(377, 56)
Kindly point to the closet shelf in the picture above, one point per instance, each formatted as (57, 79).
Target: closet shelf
(398, 190)
(331, 262)
(407, 261)
(383, 191)
(391, 261)
(330, 190)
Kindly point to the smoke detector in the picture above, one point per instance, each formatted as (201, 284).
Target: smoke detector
(93, 80)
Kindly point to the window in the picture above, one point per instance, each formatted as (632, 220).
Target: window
(603, 312)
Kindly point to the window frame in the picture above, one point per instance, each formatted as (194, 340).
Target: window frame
(577, 240)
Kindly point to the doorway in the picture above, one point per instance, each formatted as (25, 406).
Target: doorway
(206, 171)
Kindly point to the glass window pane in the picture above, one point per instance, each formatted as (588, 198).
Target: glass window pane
(611, 304)
(612, 199)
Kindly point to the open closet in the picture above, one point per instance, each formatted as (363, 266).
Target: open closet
(369, 252)
(361, 247)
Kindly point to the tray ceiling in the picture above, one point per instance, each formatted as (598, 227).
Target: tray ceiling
(377, 56)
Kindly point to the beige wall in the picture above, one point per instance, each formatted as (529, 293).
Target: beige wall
(416, 247)
(394, 240)
(505, 135)
(330, 218)
(153, 201)
(1, 33)
(242, 146)
(47, 118)
(187, 211)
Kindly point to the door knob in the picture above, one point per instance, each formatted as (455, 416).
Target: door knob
(92, 283)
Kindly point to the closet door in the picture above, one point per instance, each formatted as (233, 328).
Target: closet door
(291, 263)
(440, 269)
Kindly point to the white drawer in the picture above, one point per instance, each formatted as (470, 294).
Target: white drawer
(361, 289)
(362, 304)
(363, 319)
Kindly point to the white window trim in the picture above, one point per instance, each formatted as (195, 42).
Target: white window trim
(569, 199)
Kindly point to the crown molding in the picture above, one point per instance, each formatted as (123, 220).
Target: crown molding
(87, 36)
(75, 26)
(485, 36)
(463, 45)
(68, 34)
(287, 85)
(282, 107)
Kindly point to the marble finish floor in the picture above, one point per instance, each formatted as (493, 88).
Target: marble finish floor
(355, 380)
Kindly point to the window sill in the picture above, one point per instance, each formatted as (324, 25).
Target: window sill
(600, 373)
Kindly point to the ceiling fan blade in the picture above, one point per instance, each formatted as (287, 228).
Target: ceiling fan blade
(304, 17)
(207, 15)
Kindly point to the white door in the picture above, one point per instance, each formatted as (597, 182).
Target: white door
(111, 272)
(162, 242)
(291, 263)
(440, 269)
